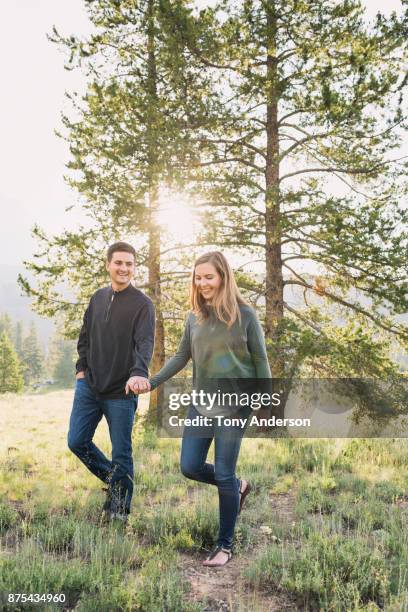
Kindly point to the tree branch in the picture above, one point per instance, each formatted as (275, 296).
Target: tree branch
(296, 112)
(302, 318)
(233, 142)
(354, 307)
(227, 160)
(299, 143)
(333, 169)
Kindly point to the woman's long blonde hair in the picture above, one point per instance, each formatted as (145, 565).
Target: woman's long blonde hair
(228, 297)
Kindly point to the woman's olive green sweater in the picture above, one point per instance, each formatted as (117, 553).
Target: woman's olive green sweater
(218, 351)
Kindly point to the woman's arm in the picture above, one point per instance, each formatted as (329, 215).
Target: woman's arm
(176, 363)
(257, 348)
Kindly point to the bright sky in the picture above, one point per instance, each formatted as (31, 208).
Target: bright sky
(32, 158)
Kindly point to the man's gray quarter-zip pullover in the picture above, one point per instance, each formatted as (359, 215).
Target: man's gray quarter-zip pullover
(116, 340)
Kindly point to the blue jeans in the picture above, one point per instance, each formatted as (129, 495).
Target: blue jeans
(227, 443)
(87, 411)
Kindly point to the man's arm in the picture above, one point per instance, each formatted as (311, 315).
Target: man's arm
(82, 347)
(143, 338)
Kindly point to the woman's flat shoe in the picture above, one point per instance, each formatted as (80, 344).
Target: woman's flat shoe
(215, 553)
(243, 494)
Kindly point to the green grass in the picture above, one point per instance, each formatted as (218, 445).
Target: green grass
(327, 571)
(325, 527)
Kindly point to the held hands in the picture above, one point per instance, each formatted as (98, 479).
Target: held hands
(138, 385)
(80, 375)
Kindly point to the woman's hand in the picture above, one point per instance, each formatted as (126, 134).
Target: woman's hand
(138, 385)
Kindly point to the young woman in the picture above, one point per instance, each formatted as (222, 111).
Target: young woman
(224, 339)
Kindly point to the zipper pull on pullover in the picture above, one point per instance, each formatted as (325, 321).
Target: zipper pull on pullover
(108, 311)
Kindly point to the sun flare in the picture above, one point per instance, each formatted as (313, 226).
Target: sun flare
(177, 217)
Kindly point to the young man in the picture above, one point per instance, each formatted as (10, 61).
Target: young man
(115, 347)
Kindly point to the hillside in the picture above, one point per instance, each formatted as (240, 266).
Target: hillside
(17, 305)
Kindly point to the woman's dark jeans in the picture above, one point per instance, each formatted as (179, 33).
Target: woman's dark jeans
(227, 442)
(87, 411)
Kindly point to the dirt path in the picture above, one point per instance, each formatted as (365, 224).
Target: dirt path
(225, 589)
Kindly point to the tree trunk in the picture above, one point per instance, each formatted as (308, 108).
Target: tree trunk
(155, 294)
(154, 231)
(274, 277)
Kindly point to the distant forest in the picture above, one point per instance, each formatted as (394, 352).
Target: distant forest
(24, 362)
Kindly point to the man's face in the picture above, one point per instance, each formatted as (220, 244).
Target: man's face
(121, 268)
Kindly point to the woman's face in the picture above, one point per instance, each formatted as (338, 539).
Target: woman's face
(207, 280)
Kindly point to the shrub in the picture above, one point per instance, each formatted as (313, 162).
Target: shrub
(8, 517)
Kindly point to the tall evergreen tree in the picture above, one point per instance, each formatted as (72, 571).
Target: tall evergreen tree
(33, 358)
(11, 380)
(6, 325)
(62, 357)
(301, 167)
(127, 144)
(18, 339)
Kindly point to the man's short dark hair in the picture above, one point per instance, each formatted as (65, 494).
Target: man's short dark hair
(124, 247)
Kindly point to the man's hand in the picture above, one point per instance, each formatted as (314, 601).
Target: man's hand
(80, 375)
(137, 384)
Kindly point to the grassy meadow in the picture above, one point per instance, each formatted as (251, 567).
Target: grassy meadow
(324, 529)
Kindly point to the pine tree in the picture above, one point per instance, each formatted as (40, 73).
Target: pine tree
(61, 361)
(302, 92)
(127, 145)
(18, 339)
(6, 325)
(33, 358)
(11, 380)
